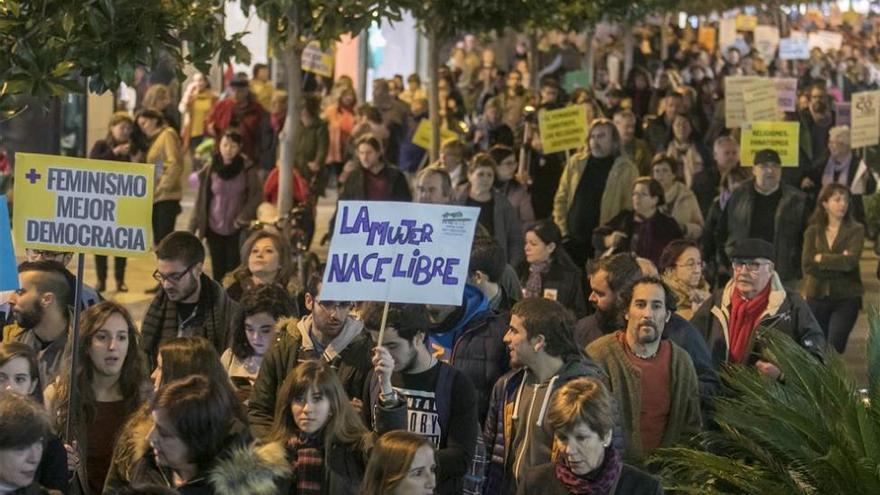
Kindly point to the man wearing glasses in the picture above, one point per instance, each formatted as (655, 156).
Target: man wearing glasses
(329, 333)
(189, 303)
(766, 208)
(755, 298)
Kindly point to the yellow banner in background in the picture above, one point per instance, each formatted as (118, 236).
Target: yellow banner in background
(782, 137)
(746, 22)
(422, 137)
(83, 206)
(316, 60)
(706, 37)
(563, 129)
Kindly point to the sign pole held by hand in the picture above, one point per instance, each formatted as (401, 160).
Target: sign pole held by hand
(382, 326)
(74, 341)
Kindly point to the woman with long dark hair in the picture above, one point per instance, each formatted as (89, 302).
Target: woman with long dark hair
(832, 249)
(548, 271)
(111, 383)
(327, 443)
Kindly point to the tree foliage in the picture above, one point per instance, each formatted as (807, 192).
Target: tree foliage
(53, 47)
(813, 434)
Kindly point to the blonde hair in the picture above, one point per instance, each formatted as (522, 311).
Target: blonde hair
(582, 401)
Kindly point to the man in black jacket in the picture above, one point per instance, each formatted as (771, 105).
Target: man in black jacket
(328, 333)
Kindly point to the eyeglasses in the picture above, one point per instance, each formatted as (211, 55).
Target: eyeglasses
(335, 305)
(751, 266)
(692, 264)
(174, 278)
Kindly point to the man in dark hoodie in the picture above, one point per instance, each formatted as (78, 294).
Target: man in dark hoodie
(470, 338)
(544, 357)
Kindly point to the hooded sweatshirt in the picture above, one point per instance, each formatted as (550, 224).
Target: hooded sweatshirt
(530, 436)
(473, 303)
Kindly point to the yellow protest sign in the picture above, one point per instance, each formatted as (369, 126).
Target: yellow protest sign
(761, 101)
(563, 129)
(734, 100)
(706, 38)
(422, 137)
(779, 136)
(317, 61)
(852, 18)
(746, 22)
(83, 206)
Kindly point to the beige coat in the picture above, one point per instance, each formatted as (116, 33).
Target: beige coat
(681, 204)
(166, 149)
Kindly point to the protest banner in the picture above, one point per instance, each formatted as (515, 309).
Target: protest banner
(760, 101)
(726, 32)
(852, 18)
(843, 113)
(865, 119)
(825, 40)
(316, 60)
(766, 41)
(563, 129)
(83, 206)
(706, 38)
(8, 268)
(794, 49)
(786, 92)
(782, 137)
(575, 79)
(746, 22)
(423, 137)
(399, 252)
(734, 105)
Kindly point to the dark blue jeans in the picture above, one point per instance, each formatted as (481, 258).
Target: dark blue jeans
(837, 317)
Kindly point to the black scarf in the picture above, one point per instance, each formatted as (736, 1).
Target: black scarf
(227, 172)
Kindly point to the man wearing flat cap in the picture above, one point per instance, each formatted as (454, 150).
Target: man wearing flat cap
(754, 298)
(765, 208)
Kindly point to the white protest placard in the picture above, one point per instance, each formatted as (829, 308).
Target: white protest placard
(825, 40)
(316, 60)
(726, 32)
(734, 105)
(760, 101)
(399, 252)
(794, 49)
(865, 119)
(786, 93)
(83, 206)
(766, 41)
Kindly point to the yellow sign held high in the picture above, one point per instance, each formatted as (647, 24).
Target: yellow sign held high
(781, 137)
(83, 206)
(422, 136)
(563, 129)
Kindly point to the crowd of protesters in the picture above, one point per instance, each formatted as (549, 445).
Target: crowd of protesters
(608, 285)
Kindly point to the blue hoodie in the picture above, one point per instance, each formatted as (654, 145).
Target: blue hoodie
(474, 302)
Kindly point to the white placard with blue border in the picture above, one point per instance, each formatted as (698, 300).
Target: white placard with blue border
(399, 252)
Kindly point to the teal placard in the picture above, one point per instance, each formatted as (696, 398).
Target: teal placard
(575, 79)
(8, 269)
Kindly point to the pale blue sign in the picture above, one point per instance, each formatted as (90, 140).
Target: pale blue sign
(8, 268)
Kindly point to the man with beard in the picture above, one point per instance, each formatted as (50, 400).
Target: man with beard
(753, 299)
(543, 357)
(42, 316)
(609, 278)
(652, 379)
(441, 401)
(189, 303)
(328, 333)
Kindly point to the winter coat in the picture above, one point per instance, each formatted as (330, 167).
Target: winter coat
(567, 282)
(508, 229)
(498, 431)
(616, 197)
(790, 223)
(860, 181)
(632, 481)
(352, 366)
(165, 152)
(625, 381)
(251, 122)
(786, 312)
(837, 276)
(199, 221)
(215, 318)
(681, 204)
(397, 184)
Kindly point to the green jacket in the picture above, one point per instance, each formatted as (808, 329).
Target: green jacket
(626, 386)
(616, 197)
(352, 366)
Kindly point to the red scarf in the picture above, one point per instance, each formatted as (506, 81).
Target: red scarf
(744, 315)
